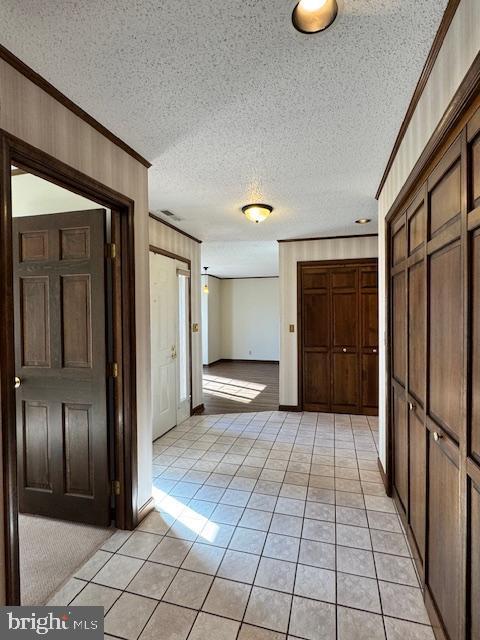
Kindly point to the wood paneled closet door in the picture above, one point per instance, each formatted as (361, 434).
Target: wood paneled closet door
(60, 352)
(338, 338)
(435, 381)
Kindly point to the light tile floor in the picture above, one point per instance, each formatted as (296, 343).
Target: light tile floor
(267, 526)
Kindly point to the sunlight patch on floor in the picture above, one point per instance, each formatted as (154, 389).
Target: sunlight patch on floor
(231, 389)
(185, 516)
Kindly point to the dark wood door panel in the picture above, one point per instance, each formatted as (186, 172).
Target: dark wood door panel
(474, 424)
(369, 377)
(345, 319)
(399, 327)
(417, 486)
(399, 242)
(445, 328)
(369, 319)
(60, 355)
(316, 381)
(345, 381)
(445, 198)
(416, 331)
(444, 577)
(400, 439)
(474, 559)
(315, 332)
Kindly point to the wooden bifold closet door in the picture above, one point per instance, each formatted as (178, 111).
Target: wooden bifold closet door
(434, 296)
(338, 337)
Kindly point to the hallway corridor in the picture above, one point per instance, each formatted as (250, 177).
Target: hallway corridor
(268, 526)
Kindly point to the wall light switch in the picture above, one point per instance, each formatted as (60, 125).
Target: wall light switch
(292, 328)
(195, 327)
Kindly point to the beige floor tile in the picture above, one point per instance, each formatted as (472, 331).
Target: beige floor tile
(96, 595)
(281, 547)
(171, 551)
(318, 530)
(152, 580)
(356, 561)
(394, 543)
(140, 544)
(188, 589)
(248, 632)
(238, 565)
(118, 571)
(268, 609)
(248, 540)
(317, 554)
(128, 616)
(403, 630)
(156, 522)
(212, 627)
(204, 558)
(358, 592)
(312, 619)
(66, 593)
(174, 622)
(93, 565)
(227, 598)
(256, 519)
(315, 583)
(359, 625)
(348, 536)
(396, 569)
(403, 602)
(276, 574)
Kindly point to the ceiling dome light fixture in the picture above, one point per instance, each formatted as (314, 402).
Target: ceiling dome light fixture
(312, 16)
(363, 221)
(257, 212)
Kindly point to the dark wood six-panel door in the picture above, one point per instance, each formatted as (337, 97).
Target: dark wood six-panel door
(338, 337)
(435, 381)
(60, 352)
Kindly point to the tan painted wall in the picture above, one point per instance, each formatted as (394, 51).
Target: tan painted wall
(168, 239)
(458, 51)
(32, 115)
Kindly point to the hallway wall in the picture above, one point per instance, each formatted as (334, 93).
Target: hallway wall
(290, 254)
(32, 115)
(458, 51)
(243, 319)
(166, 238)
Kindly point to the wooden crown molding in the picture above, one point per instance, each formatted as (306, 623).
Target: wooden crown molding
(46, 86)
(464, 96)
(424, 76)
(172, 226)
(358, 235)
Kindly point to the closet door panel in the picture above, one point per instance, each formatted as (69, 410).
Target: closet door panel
(445, 328)
(416, 331)
(400, 438)
(444, 577)
(417, 493)
(399, 327)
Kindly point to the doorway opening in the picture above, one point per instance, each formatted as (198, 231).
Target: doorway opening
(68, 374)
(170, 319)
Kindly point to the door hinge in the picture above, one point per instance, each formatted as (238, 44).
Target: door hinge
(115, 487)
(111, 250)
(113, 370)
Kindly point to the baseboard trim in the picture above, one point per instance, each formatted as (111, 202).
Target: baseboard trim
(289, 407)
(147, 508)
(241, 360)
(200, 408)
(386, 483)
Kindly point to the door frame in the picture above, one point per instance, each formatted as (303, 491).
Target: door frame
(187, 261)
(126, 513)
(316, 263)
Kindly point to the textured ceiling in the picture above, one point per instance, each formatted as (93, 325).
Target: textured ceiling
(241, 259)
(231, 104)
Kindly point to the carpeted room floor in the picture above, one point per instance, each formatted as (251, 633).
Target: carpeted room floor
(51, 551)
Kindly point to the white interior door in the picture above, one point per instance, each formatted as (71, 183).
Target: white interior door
(163, 323)
(183, 344)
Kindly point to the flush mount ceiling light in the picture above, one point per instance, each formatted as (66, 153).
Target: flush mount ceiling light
(257, 212)
(312, 16)
(363, 221)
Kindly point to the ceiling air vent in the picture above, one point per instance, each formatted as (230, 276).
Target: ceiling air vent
(170, 215)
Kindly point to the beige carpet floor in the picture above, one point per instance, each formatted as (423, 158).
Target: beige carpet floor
(51, 551)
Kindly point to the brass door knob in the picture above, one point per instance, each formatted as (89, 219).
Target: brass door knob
(344, 350)
(411, 406)
(374, 351)
(437, 436)
(18, 382)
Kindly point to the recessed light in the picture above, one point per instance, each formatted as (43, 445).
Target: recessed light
(312, 16)
(257, 212)
(363, 221)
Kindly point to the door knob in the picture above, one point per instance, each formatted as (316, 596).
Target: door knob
(18, 382)
(411, 406)
(437, 436)
(374, 351)
(344, 350)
